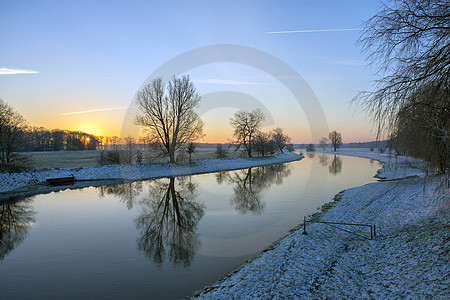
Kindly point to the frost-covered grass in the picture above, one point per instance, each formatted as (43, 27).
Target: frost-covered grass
(15, 181)
(408, 259)
(90, 158)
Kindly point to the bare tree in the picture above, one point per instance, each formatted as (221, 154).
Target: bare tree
(419, 129)
(280, 138)
(335, 139)
(220, 151)
(323, 142)
(168, 113)
(190, 149)
(263, 144)
(410, 39)
(246, 125)
(131, 154)
(12, 125)
(290, 147)
(310, 148)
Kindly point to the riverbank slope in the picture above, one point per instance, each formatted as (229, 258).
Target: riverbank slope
(408, 258)
(13, 182)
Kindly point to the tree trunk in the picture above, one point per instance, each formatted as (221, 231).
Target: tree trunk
(171, 156)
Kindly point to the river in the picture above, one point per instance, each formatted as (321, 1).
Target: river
(161, 238)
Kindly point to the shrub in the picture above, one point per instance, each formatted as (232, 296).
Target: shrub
(109, 158)
(310, 148)
(220, 152)
(290, 148)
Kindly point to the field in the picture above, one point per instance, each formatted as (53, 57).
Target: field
(90, 158)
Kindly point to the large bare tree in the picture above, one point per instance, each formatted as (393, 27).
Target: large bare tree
(280, 138)
(246, 125)
(12, 125)
(410, 41)
(168, 113)
(323, 142)
(335, 139)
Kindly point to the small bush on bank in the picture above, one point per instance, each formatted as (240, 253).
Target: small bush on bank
(310, 148)
(221, 152)
(21, 163)
(111, 157)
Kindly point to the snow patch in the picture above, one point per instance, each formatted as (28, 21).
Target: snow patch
(9, 182)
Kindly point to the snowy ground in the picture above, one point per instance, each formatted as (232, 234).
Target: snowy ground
(395, 166)
(17, 182)
(408, 259)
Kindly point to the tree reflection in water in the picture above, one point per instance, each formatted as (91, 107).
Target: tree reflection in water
(127, 192)
(310, 154)
(16, 216)
(335, 166)
(323, 160)
(168, 221)
(249, 184)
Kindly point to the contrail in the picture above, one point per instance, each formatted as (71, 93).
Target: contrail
(9, 71)
(93, 110)
(315, 30)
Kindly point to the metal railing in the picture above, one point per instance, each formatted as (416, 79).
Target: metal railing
(373, 228)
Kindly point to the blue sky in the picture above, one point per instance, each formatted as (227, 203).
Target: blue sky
(92, 56)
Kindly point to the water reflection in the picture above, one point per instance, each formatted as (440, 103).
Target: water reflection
(336, 165)
(310, 154)
(249, 184)
(168, 221)
(127, 192)
(16, 216)
(323, 160)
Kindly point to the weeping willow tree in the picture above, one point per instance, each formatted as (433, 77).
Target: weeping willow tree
(409, 40)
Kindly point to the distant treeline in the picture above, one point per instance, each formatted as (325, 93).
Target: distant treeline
(42, 139)
(372, 144)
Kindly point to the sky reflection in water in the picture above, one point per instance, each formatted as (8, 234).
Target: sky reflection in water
(161, 238)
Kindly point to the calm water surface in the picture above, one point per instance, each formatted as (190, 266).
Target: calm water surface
(161, 238)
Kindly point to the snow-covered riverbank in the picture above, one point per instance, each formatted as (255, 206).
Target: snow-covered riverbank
(18, 181)
(395, 166)
(408, 259)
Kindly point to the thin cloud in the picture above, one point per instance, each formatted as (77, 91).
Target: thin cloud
(314, 30)
(93, 110)
(9, 71)
(227, 82)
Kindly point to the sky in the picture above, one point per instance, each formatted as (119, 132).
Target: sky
(77, 65)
